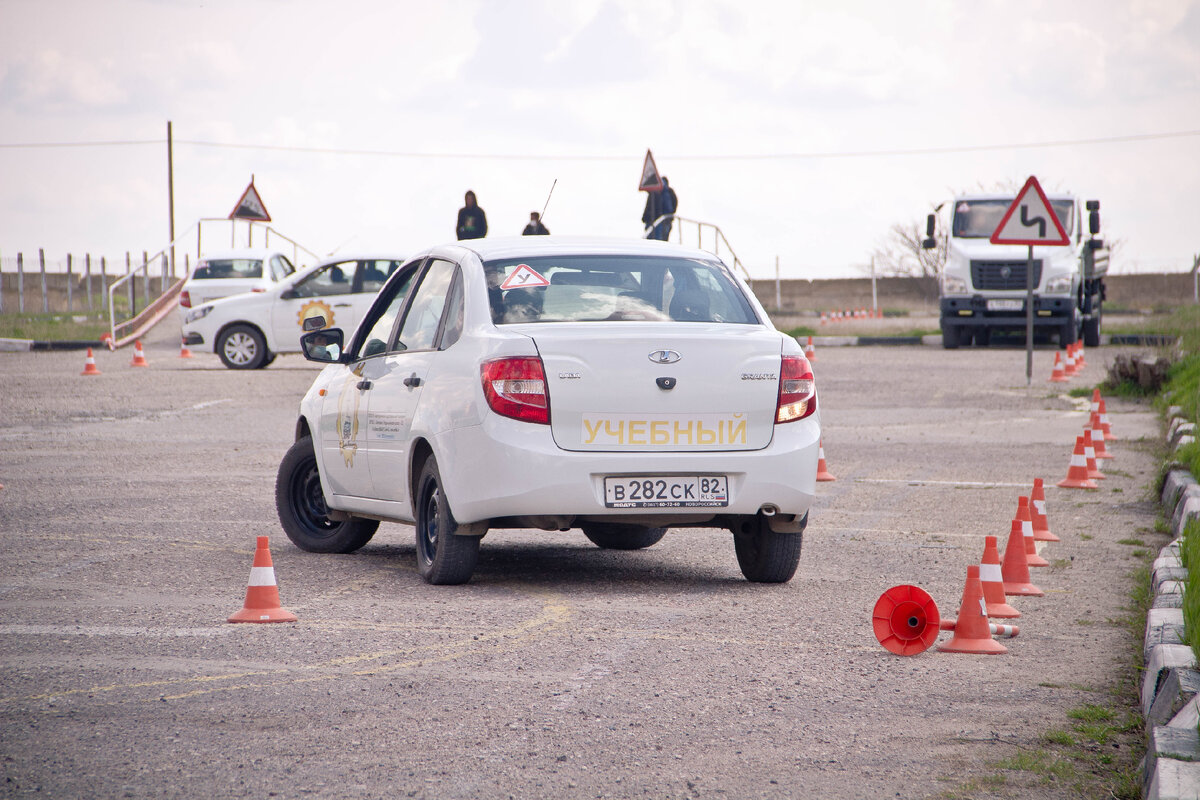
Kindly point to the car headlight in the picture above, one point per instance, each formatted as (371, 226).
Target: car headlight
(197, 313)
(953, 285)
(1059, 285)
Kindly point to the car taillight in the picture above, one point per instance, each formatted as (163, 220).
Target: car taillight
(797, 390)
(516, 388)
(185, 300)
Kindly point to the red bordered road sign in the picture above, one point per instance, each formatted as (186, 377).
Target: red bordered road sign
(650, 181)
(250, 206)
(1030, 220)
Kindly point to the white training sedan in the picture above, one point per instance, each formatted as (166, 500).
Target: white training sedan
(619, 387)
(248, 330)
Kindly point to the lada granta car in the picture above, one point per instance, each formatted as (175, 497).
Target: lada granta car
(618, 387)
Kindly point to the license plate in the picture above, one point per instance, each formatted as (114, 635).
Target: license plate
(666, 491)
(1005, 305)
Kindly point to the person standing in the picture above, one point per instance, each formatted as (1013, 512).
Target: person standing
(660, 204)
(472, 222)
(535, 226)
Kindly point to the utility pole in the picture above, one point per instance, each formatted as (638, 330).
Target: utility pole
(171, 194)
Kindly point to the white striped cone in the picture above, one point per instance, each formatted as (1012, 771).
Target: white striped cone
(823, 474)
(992, 578)
(1069, 368)
(1077, 472)
(89, 364)
(262, 593)
(1089, 454)
(1004, 631)
(139, 357)
(1031, 553)
(1095, 435)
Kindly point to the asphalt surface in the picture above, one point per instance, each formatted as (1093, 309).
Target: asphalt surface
(128, 518)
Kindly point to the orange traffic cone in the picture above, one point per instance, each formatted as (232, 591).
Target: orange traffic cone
(1037, 509)
(972, 633)
(262, 593)
(1089, 454)
(822, 470)
(1058, 375)
(1080, 361)
(1109, 436)
(139, 358)
(1069, 367)
(992, 578)
(89, 364)
(809, 353)
(1096, 433)
(1031, 553)
(1077, 472)
(1095, 404)
(183, 349)
(906, 620)
(1015, 568)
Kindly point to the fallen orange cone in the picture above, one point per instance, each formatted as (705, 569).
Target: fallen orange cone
(905, 620)
(972, 632)
(1077, 472)
(89, 364)
(262, 593)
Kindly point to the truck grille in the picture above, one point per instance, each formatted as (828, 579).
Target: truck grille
(1003, 275)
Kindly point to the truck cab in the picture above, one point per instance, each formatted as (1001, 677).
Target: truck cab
(983, 286)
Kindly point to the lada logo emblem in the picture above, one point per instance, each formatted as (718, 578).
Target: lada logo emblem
(664, 356)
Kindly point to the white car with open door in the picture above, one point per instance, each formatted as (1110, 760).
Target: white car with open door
(248, 330)
(619, 387)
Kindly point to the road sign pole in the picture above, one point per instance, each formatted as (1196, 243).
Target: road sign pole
(1029, 318)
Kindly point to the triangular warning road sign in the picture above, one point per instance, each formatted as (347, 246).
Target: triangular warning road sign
(250, 206)
(524, 277)
(650, 181)
(1030, 220)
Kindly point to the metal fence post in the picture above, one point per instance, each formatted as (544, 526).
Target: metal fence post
(104, 283)
(70, 280)
(21, 282)
(145, 277)
(129, 285)
(42, 267)
(87, 270)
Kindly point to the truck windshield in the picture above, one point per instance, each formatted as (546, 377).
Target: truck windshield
(977, 219)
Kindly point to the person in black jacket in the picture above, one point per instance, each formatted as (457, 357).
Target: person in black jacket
(472, 222)
(659, 204)
(535, 226)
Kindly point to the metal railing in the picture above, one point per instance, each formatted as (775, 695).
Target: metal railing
(137, 323)
(718, 238)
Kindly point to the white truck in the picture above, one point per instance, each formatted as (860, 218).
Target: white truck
(983, 285)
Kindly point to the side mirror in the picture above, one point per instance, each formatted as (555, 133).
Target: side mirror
(930, 226)
(288, 294)
(1093, 222)
(314, 323)
(324, 346)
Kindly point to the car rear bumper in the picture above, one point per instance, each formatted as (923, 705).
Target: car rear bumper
(504, 468)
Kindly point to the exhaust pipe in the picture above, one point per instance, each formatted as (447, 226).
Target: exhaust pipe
(769, 510)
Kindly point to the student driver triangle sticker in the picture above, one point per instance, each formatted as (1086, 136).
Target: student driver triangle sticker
(1030, 220)
(524, 277)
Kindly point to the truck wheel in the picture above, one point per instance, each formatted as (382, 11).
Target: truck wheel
(302, 511)
(242, 347)
(615, 536)
(1091, 331)
(763, 555)
(446, 551)
(950, 337)
(983, 336)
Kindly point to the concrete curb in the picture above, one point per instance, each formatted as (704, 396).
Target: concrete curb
(25, 345)
(1171, 682)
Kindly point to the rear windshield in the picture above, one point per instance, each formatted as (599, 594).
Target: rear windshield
(215, 268)
(614, 288)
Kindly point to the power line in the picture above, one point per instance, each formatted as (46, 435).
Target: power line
(338, 151)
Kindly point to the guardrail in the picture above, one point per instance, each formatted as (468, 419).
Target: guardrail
(718, 238)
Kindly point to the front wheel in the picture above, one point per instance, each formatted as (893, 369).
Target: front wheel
(242, 347)
(302, 510)
(1091, 331)
(764, 555)
(446, 551)
(950, 337)
(617, 536)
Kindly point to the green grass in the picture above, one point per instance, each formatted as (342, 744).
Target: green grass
(803, 331)
(78, 326)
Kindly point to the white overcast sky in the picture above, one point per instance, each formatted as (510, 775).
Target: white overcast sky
(758, 112)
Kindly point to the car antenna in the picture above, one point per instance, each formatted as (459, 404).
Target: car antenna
(543, 215)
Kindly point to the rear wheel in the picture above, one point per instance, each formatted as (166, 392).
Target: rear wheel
(1091, 331)
(616, 536)
(446, 551)
(950, 337)
(764, 555)
(242, 347)
(302, 510)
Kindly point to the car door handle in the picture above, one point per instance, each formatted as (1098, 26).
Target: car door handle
(341, 305)
(412, 381)
(364, 384)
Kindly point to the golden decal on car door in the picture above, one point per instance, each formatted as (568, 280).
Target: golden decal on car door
(347, 419)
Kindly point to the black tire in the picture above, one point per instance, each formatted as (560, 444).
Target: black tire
(302, 511)
(446, 551)
(1091, 331)
(617, 536)
(950, 337)
(766, 556)
(983, 336)
(268, 360)
(242, 347)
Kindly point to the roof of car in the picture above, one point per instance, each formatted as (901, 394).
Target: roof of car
(501, 247)
(242, 252)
